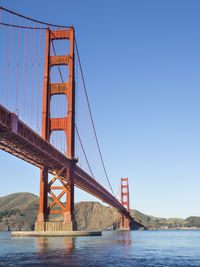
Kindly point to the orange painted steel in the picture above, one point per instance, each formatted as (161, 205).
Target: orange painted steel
(125, 203)
(66, 124)
(21, 141)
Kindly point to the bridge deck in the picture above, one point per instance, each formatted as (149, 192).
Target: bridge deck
(21, 141)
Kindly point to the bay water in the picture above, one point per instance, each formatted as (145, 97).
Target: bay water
(113, 248)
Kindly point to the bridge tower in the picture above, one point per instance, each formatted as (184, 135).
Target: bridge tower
(49, 125)
(125, 224)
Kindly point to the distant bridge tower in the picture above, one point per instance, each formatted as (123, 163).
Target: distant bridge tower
(125, 224)
(49, 125)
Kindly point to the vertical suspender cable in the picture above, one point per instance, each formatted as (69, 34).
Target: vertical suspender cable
(24, 77)
(8, 62)
(93, 126)
(75, 125)
(17, 69)
(29, 80)
(33, 78)
(38, 91)
(11, 63)
(4, 58)
(84, 151)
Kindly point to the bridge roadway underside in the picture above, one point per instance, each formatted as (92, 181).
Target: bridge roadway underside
(21, 141)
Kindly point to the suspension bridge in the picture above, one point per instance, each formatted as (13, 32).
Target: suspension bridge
(52, 98)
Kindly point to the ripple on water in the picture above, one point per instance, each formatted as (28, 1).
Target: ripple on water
(135, 248)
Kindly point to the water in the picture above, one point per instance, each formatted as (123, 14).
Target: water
(135, 248)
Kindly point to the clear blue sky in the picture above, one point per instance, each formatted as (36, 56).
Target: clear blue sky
(141, 61)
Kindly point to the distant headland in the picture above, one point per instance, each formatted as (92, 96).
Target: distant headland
(19, 211)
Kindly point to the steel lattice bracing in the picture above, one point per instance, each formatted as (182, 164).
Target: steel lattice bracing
(66, 124)
(57, 109)
(21, 141)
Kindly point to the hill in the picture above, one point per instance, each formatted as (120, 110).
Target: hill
(19, 212)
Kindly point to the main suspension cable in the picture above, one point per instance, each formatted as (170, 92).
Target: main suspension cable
(79, 138)
(91, 117)
(75, 124)
(118, 192)
(34, 20)
(22, 26)
(58, 65)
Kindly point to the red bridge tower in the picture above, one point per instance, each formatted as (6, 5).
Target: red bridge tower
(49, 125)
(125, 225)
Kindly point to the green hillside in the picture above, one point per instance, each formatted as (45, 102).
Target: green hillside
(152, 222)
(19, 212)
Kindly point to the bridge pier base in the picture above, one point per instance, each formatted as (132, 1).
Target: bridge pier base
(68, 223)
(56, 233)
(55, 226)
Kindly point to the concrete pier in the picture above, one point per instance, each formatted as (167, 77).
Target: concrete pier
(52, 226)
(56, 233)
